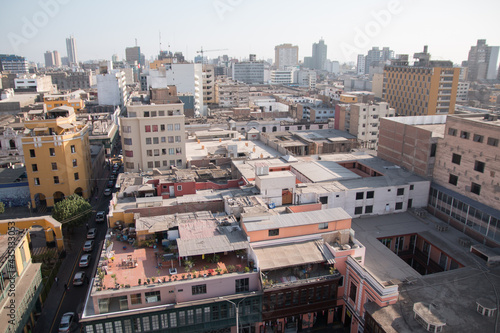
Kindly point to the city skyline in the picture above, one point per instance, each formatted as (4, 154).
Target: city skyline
(403, 25)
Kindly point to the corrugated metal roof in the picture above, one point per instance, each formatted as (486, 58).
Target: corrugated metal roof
(280, 256)
(297, 219)
(324, 171)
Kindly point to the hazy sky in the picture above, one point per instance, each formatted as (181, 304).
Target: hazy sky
(103, 28)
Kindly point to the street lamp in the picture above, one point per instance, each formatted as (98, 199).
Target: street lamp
(237, 308)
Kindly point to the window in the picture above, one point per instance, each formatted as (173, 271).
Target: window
(479, 166)
(73, 150)
(146, 114)
(352, 292)
(129, 153)
(34, 167)
(76, 176)
(401, 191)
(135, 299)
(156, 152)
(148, 141)
(150, 165)
(323, 226)
(157, 164)
(359, 195)
(54, 166)
(492, 142)
(156, 140)
(127, 141)
(37, 181)
(52, 152)
(149, 152)
(56, 179)
(179, 187)
(153, 113)
(199, 289)
(170, 127)
(452, 131)
(242, 285)
(163, 139)
(399, 206)
(153, 296)
(171, 151)
(32, 153)
(173, 319)
(147, 128)
(433, 150)
(274, 232)
(75, 163)
(453, 180)
(358, 210)
(162, 127)
(155, 128)
(323, 200)
(368, 209)
(177, 127)
(170, 139)
(456, 159)
(478, 138)
(412, 187)
(464, 135)
(177, 138)
(370, 194)
(475, 188)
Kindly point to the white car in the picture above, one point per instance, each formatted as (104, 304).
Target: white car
(107, 192)
(66, 321)
(85, 260)
(88, 246)
(79, 278)
(91, 233)
(100, 216)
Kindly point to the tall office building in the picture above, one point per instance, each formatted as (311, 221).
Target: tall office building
(319, 55)
(133, 54)
(360, 66)
(13, 63)
(376, 55)
(286, 55)
(49, 59)
(483, 61)
(428, 88)
(57, 59)
(71, 49)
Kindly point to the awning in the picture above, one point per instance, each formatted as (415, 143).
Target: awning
(35, 112)
(281, 256)
(66, 126)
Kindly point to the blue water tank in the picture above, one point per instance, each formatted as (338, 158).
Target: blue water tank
(272, 205)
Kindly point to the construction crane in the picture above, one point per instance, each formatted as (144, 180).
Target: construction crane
(203, 51)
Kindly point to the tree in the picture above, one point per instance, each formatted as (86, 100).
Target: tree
(2, 207)
(72, 211)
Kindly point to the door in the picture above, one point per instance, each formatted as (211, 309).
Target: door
(171, 191)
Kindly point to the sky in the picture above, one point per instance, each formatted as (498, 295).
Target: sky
(103, 28)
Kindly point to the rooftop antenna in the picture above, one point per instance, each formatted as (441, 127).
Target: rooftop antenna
(159, 32)
(136, 42)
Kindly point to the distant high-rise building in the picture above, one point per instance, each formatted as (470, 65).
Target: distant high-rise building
(49, 59)
(286, 55)
(133, 54)
(360, 67)
(114, 58)
(250, 72)
(376, 55)
(428, 88)
(319, 55)
(13, 63)
(483, 61)
(71, 49)
(57, 59)
(308, 62)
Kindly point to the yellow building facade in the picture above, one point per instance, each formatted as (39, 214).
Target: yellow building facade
(72, 99)
(421, 91)
(57, 156)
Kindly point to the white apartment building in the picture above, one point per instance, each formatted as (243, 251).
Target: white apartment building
(111, 88)
(286, 55)
(306, 78)
(153, 136)
(284, 76)
(34, 82)
(209, 96)
(363, 121)
(360, 67)
(188, 78)
(463, 91)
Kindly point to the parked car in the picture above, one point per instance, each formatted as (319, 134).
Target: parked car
(91, 233)
(88, 246)
(79, 278)
(107, 192)
(110, 183)
(100, 216)
(66, 320)
(85, 261)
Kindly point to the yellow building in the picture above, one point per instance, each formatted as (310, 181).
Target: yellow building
(346, 98)
(159, 63)
(20, 282)
(421, 91)
(57, 156)
(72, 99)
